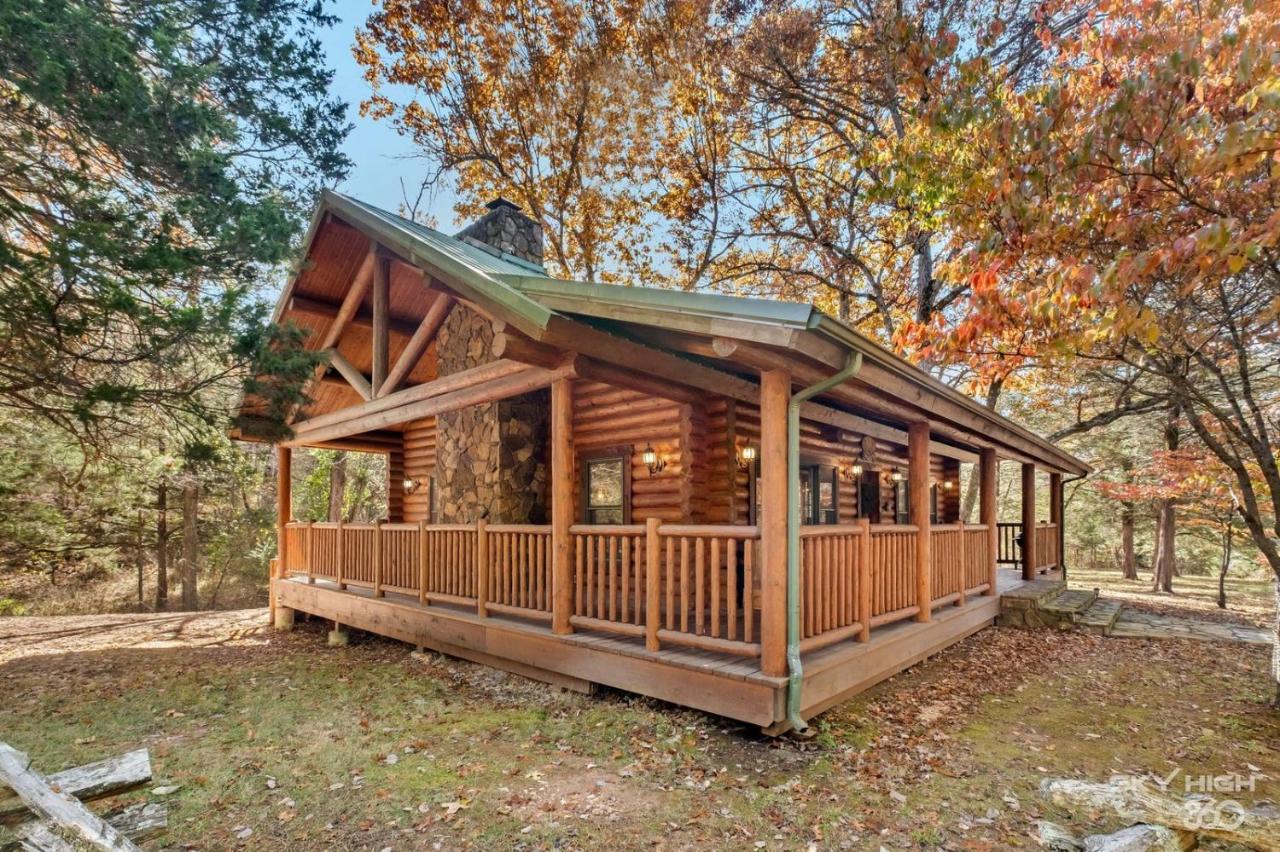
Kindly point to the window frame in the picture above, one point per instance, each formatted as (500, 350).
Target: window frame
(816, 470)
(622, 453)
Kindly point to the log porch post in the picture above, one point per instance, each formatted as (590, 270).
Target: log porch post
(1028, 521)
(284, 513)
(775, 395)
(989, 474)
(918, 496)
(1055, 517)
(561, 505)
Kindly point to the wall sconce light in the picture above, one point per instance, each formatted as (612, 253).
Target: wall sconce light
(856, 470)
(411, 485)
(896, 476)
(747, 456)
(947, 485)
(652, 461)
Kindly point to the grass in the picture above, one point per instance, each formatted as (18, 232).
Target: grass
(1250, 600)
(277, 741)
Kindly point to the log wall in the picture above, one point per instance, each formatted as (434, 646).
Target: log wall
(419, 464)
(702, 439)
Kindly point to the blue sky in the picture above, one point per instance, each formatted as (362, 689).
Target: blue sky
(381, 156)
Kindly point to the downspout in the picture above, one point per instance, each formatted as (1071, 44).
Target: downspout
(795, 679)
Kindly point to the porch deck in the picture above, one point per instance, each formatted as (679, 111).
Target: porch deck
(723, 677)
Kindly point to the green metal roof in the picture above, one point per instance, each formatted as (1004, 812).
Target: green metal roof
(711, 313)
(525, 295)
(476, 273)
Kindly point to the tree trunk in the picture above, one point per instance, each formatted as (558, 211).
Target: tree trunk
(162, 546)
(1162, 567)
(140, 561)
(1275, 648)
(337, 487)
(1224, 566)
(1165, 566)
(190, 543)
(1128, 559)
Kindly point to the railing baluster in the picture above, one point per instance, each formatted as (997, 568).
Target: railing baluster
(651, 584)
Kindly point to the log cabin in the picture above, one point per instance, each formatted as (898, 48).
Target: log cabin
(737, 505)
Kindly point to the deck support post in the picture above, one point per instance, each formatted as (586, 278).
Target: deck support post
(775, 396)
(1029, 557)
(989, 474)
(561, 505)
(1055, 517)
(482, 568)
(918, 498)
(652, 583)
(284, 512)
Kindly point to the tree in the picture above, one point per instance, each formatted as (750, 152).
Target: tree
(553, 104)
(1127, 216)
(155, 158)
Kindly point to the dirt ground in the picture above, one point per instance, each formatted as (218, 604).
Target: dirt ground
(276, 741)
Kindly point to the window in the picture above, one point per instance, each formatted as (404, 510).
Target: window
(902, 501)
(819, 494)
(606, 482)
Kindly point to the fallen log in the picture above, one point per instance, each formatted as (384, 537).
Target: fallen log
(139, 822)
(92, 781)
(64, 811)
(1136, 800)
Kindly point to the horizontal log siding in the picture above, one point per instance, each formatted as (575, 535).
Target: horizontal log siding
(419, 464)
(816, 443)
(606, 417)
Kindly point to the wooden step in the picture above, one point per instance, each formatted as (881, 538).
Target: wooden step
(1100, 617)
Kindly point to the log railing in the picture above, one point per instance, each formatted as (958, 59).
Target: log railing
(893, 573)
(948, 554)
(1046, 539)
(1046, 547)
(1010, 548)
(706, 588)
(678, 584)
(977, 559)
(516, 559)
(835, 564)
(681, 585)
(608, 577)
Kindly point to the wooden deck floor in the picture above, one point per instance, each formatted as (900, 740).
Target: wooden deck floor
(717, 683)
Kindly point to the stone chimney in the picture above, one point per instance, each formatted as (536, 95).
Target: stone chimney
(507, 229)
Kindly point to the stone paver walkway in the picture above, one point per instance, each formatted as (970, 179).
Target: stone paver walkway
(1143, 625)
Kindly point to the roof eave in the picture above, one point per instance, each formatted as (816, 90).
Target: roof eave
(476, 285)
(843, 335)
